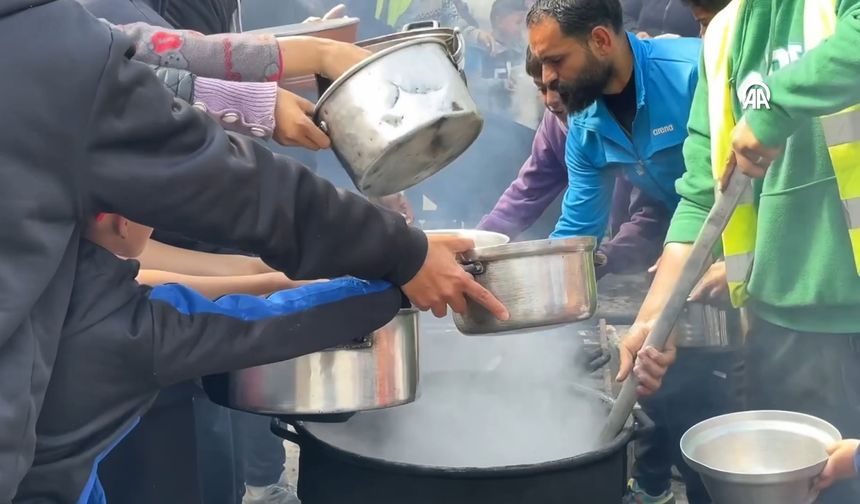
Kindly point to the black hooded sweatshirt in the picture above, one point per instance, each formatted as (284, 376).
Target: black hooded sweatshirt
(91, 131)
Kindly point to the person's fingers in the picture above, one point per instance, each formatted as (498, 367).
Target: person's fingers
(663, 359)
(486, 299)
(304, 105)
(645, 383)
(457, 302)
(625, 362)
(338, 11)
(698, 293)
(455, 244)
(748, 167)
(832, 448)
(439, 309)
(315, 135)
(648, 372)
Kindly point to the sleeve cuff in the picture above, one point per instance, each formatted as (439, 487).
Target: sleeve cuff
(413, 247)
(771, 127)
(244, 107)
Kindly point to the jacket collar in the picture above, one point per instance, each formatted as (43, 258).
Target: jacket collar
(597, 117)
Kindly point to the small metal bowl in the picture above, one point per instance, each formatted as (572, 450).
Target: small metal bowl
(759, 456)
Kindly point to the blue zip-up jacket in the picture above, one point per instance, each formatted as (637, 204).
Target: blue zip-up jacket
(666, 72)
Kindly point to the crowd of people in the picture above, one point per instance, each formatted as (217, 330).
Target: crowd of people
(150, 238)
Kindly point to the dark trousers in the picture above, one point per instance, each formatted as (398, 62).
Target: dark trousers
(234, 449)
(816, 374)
(156, 462)
(703, 383)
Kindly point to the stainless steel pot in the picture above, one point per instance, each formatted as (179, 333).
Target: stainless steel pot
(399, 116)
(759, 456)
(704, 325)
(379, 372)
(542, 283)
(451, 37)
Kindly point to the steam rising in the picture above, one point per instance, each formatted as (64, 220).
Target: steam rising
(485, 402)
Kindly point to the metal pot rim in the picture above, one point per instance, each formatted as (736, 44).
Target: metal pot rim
(585, 458)
(704, 426)
(340, 81)
(532, 248)
(416, 33)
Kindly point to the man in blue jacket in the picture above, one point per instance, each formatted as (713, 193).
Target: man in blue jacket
(629, 101)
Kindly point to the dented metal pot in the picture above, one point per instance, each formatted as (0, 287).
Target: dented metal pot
(399, 116)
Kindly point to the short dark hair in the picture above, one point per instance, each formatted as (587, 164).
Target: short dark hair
(578, 17)
(502, 8)
(712, 6)
(533, 65)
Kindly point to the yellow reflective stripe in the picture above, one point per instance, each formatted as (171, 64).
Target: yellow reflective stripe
(739, 236)
(716, 52)
(738, 293)
(854, 236)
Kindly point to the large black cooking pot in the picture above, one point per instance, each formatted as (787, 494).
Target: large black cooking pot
(374, 458)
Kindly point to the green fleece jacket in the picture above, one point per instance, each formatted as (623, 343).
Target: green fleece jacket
(803, 276)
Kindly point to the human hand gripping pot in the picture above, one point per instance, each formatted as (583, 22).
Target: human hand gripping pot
(842, 463)
(442, 282)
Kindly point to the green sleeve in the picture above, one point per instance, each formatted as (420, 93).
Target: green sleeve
(821, 82)
(696, 186)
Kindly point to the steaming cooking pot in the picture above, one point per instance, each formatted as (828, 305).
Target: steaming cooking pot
(542, 283)
(442, 448)
(378, 372)
(399, 116)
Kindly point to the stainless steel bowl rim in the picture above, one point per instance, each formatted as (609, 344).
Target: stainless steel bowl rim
(763, 478)
(532, 248)
(340, 81)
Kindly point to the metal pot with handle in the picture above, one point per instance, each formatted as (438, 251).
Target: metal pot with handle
(542, 283)
(380, 371)
(399, 116)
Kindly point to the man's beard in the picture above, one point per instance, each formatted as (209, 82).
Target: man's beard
(588, 86)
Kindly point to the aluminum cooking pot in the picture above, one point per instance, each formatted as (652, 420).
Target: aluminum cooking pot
(542, 283)
(759, 456)
(399, 116)
(378, 372)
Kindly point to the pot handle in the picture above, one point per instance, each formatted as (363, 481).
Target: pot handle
(474, 268)
(417, 25)
(642, 423)
(281, 429)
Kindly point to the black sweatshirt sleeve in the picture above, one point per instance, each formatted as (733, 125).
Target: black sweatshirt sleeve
(159, 162)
